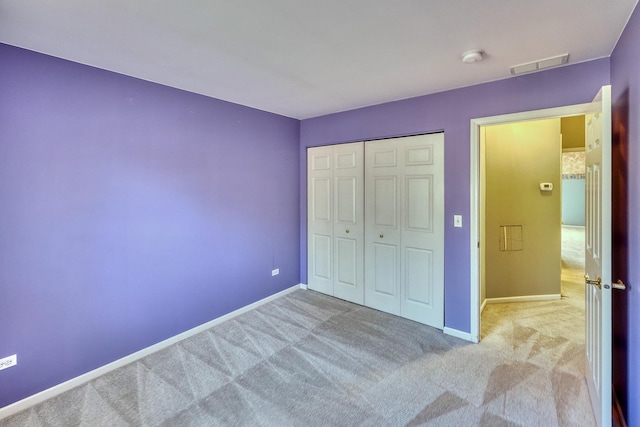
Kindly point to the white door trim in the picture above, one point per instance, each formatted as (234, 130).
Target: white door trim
(474, 178)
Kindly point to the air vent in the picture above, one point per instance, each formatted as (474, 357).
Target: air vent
(540, 64)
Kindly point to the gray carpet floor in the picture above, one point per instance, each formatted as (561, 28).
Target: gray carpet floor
(307, 359)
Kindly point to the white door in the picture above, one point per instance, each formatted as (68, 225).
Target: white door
(320, 219)
(404, 227)
(383, 178)
(422, 259)
(348, 227)
(335, 221)
(598, 255)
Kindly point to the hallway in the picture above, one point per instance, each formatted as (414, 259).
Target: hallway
(548, 335)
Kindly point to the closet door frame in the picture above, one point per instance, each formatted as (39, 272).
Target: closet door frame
(392, 246)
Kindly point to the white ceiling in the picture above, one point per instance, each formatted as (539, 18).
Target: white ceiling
(303, 58)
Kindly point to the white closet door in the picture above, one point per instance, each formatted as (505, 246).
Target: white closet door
(382, 225)
(336, 221)
(422, 259)
(404, 227)
(320, 219)
(348, 229)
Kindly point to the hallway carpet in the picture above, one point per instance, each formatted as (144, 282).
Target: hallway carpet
(307, 359)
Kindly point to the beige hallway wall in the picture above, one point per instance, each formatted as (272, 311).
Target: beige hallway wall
(518, 157)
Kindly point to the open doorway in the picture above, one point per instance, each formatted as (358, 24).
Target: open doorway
(534, 305)
(573, 206)
(532, 210)
(598, 284)
(532, 207)
(532, 263)
(532, 204)
(520, 209)
(475, 221)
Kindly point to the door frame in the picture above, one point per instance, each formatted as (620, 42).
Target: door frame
(474, 209)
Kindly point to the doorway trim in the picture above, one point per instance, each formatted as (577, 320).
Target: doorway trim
(474, 178)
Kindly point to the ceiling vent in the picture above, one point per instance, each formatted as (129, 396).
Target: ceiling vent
(540, 64)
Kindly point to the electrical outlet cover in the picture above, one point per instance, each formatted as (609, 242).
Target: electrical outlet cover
(8, 362)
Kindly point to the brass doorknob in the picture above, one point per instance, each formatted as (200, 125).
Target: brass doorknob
(347, 231)
(597, 282)
(382, 236)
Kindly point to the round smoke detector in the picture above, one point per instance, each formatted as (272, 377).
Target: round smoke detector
(471, 56)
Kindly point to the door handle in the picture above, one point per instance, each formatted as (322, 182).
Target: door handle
(347, 231)
(382, 236)
(597, 282)
(619, 285)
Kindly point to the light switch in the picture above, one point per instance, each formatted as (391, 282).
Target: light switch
(457, 221)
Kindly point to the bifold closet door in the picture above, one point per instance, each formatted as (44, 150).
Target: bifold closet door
(404, 227)
(335, 221)
(348, 225)
(320, 219)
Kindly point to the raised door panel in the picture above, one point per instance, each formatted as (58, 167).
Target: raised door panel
(385, 277)
(320, 263)
(346, 260)
(385, 203)
(385, 155)
(419, 203)
(346, 200)
(417, 154)
(348, 156)
(418, 276)
(321, 199)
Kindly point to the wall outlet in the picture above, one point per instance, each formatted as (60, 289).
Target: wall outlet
(8, 362)
(275, 271)
(457, 221)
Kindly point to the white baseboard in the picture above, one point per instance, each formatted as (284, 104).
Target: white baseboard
(524, 298)
(484, 304)
(458, 334)
(32, 400)
(303, 286)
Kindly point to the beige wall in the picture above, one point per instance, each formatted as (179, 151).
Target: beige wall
(518, 157)
(572, 129)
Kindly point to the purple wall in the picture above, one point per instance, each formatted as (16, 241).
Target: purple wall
(130, 212)
(625, 81)
(451, 111)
